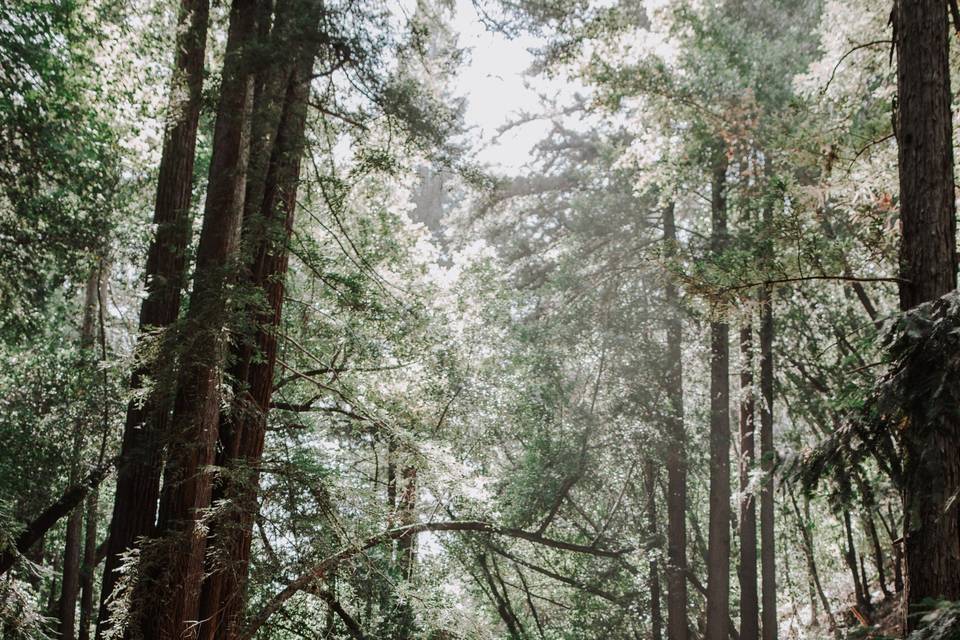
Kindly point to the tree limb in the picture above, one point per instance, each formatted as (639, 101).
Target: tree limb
(477, 526)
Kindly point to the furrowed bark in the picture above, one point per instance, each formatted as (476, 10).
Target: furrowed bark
(138, 478)
(172, 571)
(676, 455)
(928, 269)
(718, 545)
(267, 229)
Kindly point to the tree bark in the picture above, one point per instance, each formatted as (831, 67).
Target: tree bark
(718, 545)
(768, 455)
(268, 223)
(171, 574)
(70, 583)
(676, 461)
(656, 616)
(89, 566)
(138, 477)
(928, 269)
(749, 599)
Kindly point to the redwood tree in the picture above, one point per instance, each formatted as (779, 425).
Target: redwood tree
(138, 477)
(267, 228)
(676, 453)
(171, 573)
(718, 544)
(928, 270)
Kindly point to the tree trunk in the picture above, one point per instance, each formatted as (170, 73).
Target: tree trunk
(676, 455)
(268, 223)
(718, 545)
(768, 456)
(749, 603)
(70, 584)
(928, 270)
(89, 567)
(650, 484)
(850, 556)
(138, 477)
(802, 524)
(172, 572)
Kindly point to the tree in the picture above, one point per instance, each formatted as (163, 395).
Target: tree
(928, 269)
(718, 546)
(676, 463)
(171, 571)
(138, 477)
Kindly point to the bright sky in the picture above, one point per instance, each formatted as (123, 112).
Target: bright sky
(497, 92)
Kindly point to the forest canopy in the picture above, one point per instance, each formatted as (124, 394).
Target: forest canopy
(479, 320)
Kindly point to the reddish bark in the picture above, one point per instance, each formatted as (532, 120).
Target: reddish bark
(138, 477)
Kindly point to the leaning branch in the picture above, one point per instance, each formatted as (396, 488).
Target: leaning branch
(762, 283)
(52, 514)
(399, 533)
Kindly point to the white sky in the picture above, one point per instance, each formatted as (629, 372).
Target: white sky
(492, 79)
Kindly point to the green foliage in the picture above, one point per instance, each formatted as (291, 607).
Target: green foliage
(58, 167)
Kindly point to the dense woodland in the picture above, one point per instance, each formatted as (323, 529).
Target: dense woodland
(284, 355)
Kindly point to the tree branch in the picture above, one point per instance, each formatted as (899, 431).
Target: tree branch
(477, 526)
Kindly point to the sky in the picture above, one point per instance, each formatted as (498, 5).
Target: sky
(497, 92)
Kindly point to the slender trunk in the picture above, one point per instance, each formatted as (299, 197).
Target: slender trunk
(268, 223)
(768, 456)
(877, 554)
(656, 617)
(676, 455)
(138, 477)
(70, 583)
(891, 528)
(718, 545)
(89, 567)
(803, 524)
(928, 268)
(173, 571)
(749, 599)
(850, 555)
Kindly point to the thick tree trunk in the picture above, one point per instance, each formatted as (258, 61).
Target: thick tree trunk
(928, 268)
(718, 545)
(650, 485)
(138, 477)
(768, 458)
(267, 229)
(677, 628)
(749, 599)
(173, 570)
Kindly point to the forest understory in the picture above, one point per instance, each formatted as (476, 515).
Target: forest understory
(479, 320)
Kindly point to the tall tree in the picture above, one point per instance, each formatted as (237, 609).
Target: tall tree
(718, 543)
(749, 605)
(171, 573)
(70, 584)
(267, 227)
(768, 558)
(928, 269)
(676, 462)
(138, 478)
(650, 485)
